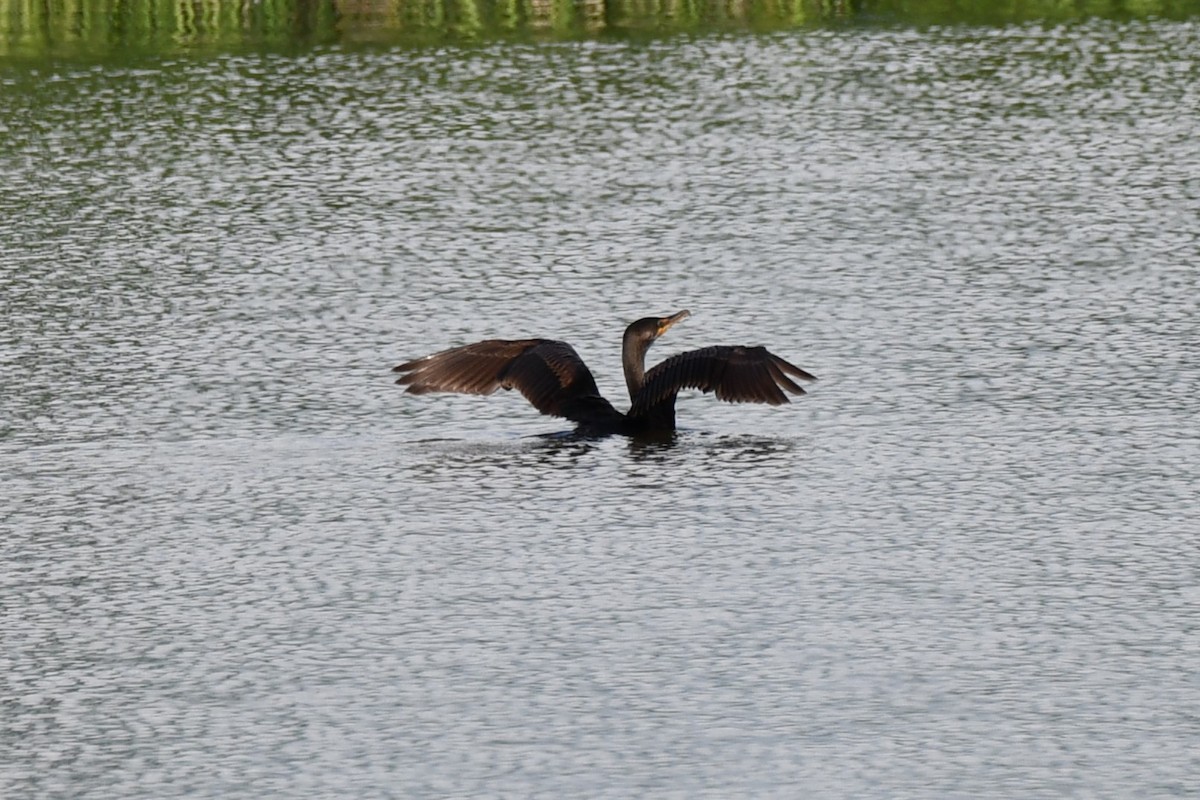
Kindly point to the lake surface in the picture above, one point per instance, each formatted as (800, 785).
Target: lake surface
(239, 562)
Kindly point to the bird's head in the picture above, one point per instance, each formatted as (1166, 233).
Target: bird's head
(647, 329)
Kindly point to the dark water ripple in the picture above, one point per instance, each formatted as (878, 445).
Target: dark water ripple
(239, 563)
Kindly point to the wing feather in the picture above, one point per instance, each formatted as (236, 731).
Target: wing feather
(783, 380)
(735, 374)
(470, 369)
(549, 373)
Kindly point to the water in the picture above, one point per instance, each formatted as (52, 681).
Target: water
(239, 562)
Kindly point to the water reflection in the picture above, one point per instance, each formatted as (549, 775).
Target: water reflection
(117, 28)
(686, 452)
(557, 450)
(731, 449)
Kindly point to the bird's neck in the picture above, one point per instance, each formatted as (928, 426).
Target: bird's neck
(633, 359)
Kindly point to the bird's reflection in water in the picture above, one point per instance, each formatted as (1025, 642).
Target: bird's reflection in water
(442, 456)
(653, 449)
(749, 448)
(559, 451)
(568, 450)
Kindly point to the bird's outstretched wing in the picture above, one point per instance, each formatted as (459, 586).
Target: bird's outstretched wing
(549, 373)
(735, 374)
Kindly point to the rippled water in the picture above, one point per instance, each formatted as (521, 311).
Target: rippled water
(239, 562)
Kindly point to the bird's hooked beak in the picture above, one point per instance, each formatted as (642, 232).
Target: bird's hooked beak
(667, 322)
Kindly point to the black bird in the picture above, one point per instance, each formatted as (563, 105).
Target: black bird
(554, 378)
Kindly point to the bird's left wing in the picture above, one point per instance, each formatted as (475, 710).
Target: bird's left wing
(735, 374)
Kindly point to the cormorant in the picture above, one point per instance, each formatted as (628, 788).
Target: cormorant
(555, 380)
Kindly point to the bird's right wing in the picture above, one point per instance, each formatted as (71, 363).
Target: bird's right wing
(549, 373)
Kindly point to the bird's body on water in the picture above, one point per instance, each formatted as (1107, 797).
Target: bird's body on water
(552, 376)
